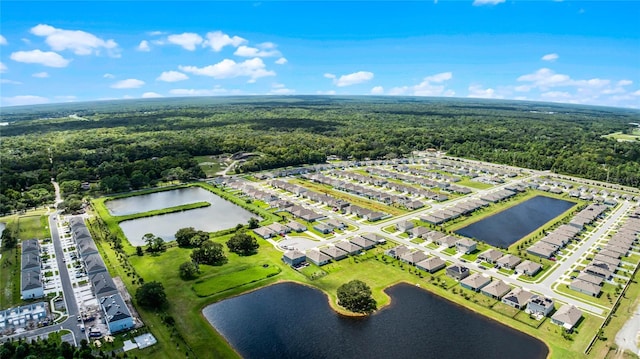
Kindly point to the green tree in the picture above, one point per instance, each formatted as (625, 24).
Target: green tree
(356, 297)
(188, 270)
(253, 223)
(243, 244)
(184, 235)
(151, 295)
(9, 241)
(139, 251)
(210, 253)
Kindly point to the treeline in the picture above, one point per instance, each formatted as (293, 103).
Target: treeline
(136, 144)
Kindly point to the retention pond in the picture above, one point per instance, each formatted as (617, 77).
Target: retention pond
(507, 227)
(289, 320)
(220, 215)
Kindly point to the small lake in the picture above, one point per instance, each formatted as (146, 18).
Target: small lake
(289, 320)
(220, 215)
(158, 200)
(507, 227)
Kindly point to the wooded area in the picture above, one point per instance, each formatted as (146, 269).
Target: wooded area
(122, 145)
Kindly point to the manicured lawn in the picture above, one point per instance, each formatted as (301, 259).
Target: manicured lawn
(225, 281)
(601, 300)
(210, 165)
(468, 182)
(450, 251)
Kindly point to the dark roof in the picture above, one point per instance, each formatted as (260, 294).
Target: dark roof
(114, 308)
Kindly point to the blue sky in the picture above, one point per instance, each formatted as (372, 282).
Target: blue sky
(584, 52)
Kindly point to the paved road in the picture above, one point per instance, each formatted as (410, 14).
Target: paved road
(587, 244)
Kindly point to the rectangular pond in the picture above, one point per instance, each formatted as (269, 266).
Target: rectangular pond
(220, 215)
(289, 320)
(507, 227)
(157, 200)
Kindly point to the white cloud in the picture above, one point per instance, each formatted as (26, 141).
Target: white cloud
(156, 33)
(217, 40)
(3, 40)
(217, 91)
(280, 89)
(46, 58)
(550, 57)
(108, 76)
(253, 68)
(172, 76)
(487, 2)
(187, 40)
(624, 83)
(281, 61)
(350, 79)
(545, 78)
(151, 95)
(330, 92)
(128, 84)
(144, 46)
(378, 90)
(477, 91)
(80, 42)
(3, 68)
(10, 82)
(41, 75)
(430, 86)
(267, 49)
(23, 100)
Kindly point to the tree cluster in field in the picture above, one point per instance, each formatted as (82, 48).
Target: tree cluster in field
(208, 252)
(46, 348)
(137, 145)
(151, 295)
(155, 244)
(356, 297)
(9, 240)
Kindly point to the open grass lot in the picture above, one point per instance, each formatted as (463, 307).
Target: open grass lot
(468, 182)
(210, 165)
(601, 300)
(32, 226)
(192, 336)
(358, 201)
(625, 137)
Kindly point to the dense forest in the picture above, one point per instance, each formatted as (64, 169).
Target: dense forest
(121, 145)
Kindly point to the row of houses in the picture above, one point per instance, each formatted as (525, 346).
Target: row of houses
(20, 316)
(31, 286)
(498, 196)
(509, 261)
(567, 316)
(553, 241)
(607, 260)
(404, 188)
(338, 251)
(116, 313)
(446, 214)
(443, 183)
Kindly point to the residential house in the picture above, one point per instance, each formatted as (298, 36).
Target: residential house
(419, 232)
(475, 282)
(375, 237)
(93, 264)
(490, 255)
(458, 272)
(528, 268)
(508, 261)
(31, 284)
(116, 313)
(362, 242)
(318, 258)
(279, 228)
(296, 226)
(465, 245)
(404, 226)
(496, 289)
(431, 265)
(336, 224)
(294, 257)
(447, 241)
(585, 287)
(264, 232)
(334, 252)
(413, 257)
(542, 249)
(540, 305)
(397, 252)
(348, 247)
(103, 285)
(567, 316)
(599, 271)
(517, 298)
(323, 228)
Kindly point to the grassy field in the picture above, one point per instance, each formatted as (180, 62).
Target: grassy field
(210, 165)
(625, 137)
(34, 224)
(468, 182)
(242, 276)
